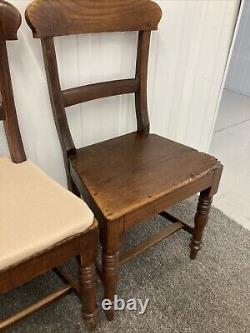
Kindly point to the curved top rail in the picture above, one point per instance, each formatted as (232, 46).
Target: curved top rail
(50, 18)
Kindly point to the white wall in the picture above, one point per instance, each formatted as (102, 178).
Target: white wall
(188, 58)
(238, 78)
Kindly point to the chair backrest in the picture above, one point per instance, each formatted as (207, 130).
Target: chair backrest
(51, 18)
(10, 20)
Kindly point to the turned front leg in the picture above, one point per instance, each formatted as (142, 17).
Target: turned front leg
(200, 222)
(87, 277)
(111, 239)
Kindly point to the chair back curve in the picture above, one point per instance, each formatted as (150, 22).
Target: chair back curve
(10, 21)
(52, 18)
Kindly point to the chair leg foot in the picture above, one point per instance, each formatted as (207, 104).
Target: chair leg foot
(110, 314)
(200, 222)
(195, 247)
(90, 321)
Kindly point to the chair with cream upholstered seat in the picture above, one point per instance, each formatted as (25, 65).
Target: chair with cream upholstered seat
(42, 224)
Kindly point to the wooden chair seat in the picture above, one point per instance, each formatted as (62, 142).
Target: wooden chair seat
(129, 179)
(151, 166)
(47, 214)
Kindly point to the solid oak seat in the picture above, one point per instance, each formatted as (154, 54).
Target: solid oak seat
(125, 173)
(38, 213)
(129, 179)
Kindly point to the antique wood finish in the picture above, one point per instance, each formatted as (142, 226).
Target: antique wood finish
(99, 90)
(35, 307)
(67, 144)
(66, 277)
(173, 219)
(83, 245)
(8, 110)
(200, 221)
(41, 263)
(87, 16)
(143, 161)
(140, 248)
(49, 54)
(111, 235)
(133, 177)
(2, 116)
(9, 24)
(141, 102)
(87, 277)
(10, 21)
(167, 201)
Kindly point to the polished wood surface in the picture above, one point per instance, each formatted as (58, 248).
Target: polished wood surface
(82, 245)
(68, 17)
(85, 245)
(57, 103)
(150, 165)
(2, 116)
(99, 90)
(7, 104)
(41, 263)
(141, 103)
(127, 179)
(173, 219)
(35, 307)
(62, 272)
(60, 99)
(10, 21)
(140, 248)
(201, 219)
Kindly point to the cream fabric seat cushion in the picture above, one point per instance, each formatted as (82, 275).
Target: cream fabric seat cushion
(35, 212)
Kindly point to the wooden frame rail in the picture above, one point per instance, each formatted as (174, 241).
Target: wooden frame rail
(39, 265)
(156, 238)
(84, 16)
(2, 115)
(35, 307)
(91, 92)
(67, 278)
(173, 219)
(8, 108)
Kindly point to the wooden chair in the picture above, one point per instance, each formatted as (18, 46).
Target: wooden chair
(42, 224)
(133, 177)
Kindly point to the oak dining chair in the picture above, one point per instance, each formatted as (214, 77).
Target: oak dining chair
(130, 178)
(42, 224)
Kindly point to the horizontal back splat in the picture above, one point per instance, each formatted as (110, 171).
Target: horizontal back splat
(50, 18)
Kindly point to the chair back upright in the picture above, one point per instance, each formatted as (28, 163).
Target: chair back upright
(10, 21)
(52, 18)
